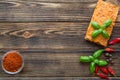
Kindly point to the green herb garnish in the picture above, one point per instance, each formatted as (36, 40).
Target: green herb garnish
(100, 29)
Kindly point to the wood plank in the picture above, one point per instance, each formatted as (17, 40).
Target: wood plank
(56, 78)
(57, 65)
(46, 10)
(61, 1)
(48, 35)
(52, 39)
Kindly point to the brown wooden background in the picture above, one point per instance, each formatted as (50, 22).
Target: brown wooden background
(50, 36)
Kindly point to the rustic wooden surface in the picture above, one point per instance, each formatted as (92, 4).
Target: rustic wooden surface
(50, 36)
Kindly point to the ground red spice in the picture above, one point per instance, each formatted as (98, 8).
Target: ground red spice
(12, 62)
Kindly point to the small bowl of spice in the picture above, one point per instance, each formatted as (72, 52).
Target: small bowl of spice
(12, 62)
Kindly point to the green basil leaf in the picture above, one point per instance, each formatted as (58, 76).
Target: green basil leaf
(92, 67)
(98, 53)
(105, 34)
(91, 58)
(85, 59)
(95, 25)
(106, 24)
(95, 33)
(102, 63)
(96, 61)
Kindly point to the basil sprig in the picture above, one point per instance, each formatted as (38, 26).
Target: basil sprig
(94, 60)
(100, 29)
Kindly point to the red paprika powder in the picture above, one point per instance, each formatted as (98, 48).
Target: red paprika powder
(12, 61)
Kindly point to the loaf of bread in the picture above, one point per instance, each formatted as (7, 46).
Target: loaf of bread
(103, 11)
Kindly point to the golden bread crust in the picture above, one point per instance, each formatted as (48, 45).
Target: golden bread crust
(102, 12)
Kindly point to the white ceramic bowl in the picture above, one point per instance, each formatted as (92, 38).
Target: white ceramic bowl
(18, 69)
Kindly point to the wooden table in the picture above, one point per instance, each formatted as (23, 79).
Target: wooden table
(50, 36)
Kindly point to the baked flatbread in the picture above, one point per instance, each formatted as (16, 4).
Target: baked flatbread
(102, 12)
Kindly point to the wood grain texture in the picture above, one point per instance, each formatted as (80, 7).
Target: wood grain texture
(46, 10)
(50, 36)
(57, 65)
(56, 78)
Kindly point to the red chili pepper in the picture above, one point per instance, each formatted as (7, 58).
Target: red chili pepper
(104, 70)
(114, 41)
(103, 76)
(109, 50)
(111, 71)
(96, 69)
